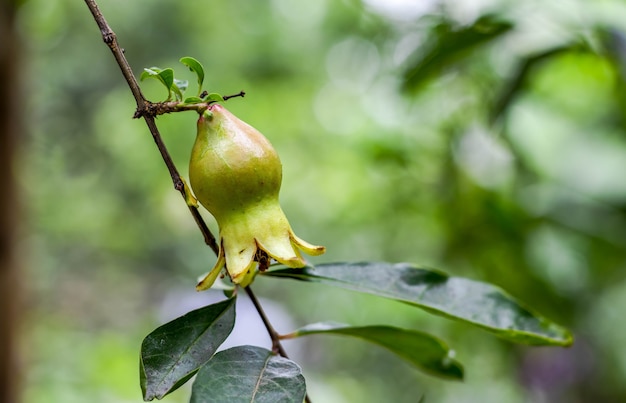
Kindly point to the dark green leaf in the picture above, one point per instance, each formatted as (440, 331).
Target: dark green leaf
(449, 44)
(517, 82)
(172, 353)
(167, 77)
(248, 374)
(470, 301)
(196, 67)
(426, 352)
(229, 292)
(215, 97)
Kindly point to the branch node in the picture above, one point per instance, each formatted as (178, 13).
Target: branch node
(108, 37)
(179, 185)
(150, 109)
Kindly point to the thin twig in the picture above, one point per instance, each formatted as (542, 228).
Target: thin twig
(148, 111)
(161, 108)
(110, 39)
(277, 347)
(240, 94)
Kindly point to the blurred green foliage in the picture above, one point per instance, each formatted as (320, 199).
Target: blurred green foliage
(504, 164)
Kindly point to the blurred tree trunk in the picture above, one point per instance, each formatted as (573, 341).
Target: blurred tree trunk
(10, 127)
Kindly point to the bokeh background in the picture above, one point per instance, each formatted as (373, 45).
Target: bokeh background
(486, 138)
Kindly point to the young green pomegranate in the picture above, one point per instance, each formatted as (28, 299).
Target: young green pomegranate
(236, 174)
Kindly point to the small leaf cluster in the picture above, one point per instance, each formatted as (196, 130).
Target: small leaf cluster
(188, 345)
(176, 88)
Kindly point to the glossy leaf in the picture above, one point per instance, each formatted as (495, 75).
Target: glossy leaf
(474, 302)
(215, 97)
(149, 72)
(424, 351)
(448, 44)
(165, 76)
(248, 374)
(197, 68)
(173, 353)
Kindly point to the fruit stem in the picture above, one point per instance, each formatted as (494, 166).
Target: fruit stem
(277, 347)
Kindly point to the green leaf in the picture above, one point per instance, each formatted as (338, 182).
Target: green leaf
(214, 96)
(193, 100)
(196, 67)
(172, 353)
(480, 304)
(149, 72)
(449, 44)
(165, 76)
(426, 352)
(248, 374)
(177, 93)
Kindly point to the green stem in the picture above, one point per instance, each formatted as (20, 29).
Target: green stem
(277, 347)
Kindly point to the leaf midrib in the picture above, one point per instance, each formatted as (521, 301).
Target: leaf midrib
(171, 369)
(258, 382)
